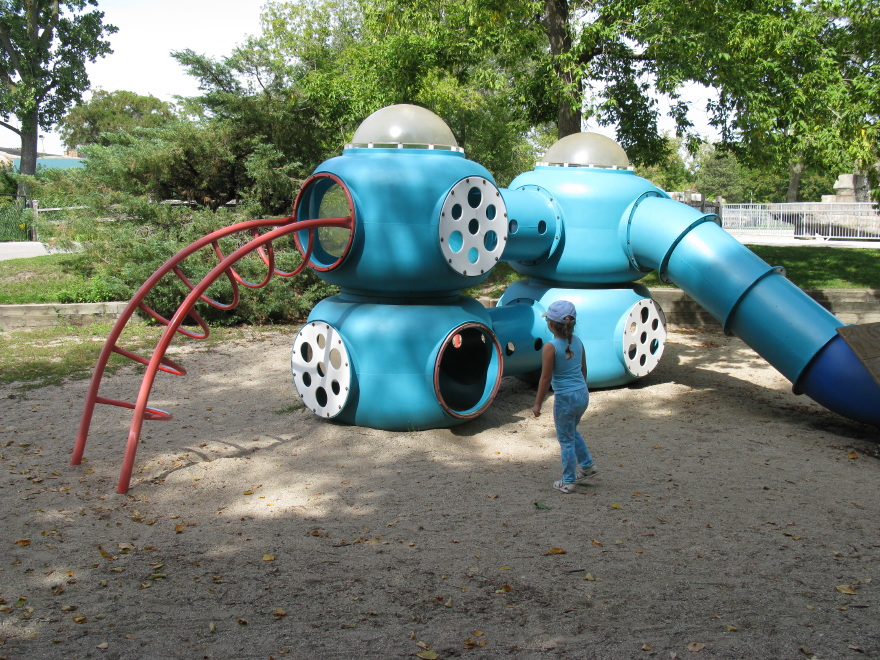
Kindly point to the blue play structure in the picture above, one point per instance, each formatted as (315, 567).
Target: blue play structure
(399, 348)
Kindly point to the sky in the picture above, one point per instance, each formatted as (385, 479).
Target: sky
(150, 29)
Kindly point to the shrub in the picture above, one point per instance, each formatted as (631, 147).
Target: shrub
(130, 254)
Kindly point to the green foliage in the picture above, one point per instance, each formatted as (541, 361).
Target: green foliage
(180, 160)
(720, 172)
(93, 290)
(112, 112)
(15, 221)
(45, 47)
(137, 248)
(672, 173)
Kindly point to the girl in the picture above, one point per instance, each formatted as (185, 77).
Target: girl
(564, 366)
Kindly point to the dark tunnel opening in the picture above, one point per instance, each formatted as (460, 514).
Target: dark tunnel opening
(467, 372)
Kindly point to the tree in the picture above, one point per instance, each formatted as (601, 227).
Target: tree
(555, 61)
(112, 112)
(672, 173)
(788, 89)
(45, 46)
(857, 24)
(181, 160)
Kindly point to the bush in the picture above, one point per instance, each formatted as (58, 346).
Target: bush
(130, 254)
(93, 290)
(15, 222)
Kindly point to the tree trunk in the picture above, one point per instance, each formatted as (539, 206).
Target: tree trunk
(556, 19)
(795, 170)
(28, 164)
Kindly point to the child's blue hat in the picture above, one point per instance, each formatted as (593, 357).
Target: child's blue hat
(559, 310)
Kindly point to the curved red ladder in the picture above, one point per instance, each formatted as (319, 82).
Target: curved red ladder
(158, 362)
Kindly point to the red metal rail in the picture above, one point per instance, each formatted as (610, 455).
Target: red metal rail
(262, 244)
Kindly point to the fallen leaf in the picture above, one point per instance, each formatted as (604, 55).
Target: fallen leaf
(695, 647)
(647, 647)
(846, 589)
(616, 506)
(22, 542)
(853, 455)
(79, 619)
(268, 557)
(589, 577)
(448, 603)
(542, 507)
(178, 529)
(557, 551)
(596, 543)
(478, 633)
(279, 613)
(732, 629)
(504, 589)
(427, 655)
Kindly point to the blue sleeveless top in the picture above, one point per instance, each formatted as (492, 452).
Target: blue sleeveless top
(567, 374)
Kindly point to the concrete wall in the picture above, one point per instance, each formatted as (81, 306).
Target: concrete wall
(21, 317)
(849, 305)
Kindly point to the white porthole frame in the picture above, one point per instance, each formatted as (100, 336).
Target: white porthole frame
(321, 369)
(466, 231)
(644, 337)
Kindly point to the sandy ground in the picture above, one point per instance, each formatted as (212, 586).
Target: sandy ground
(731, 519)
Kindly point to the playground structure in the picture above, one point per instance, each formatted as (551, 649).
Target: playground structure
(401, 221)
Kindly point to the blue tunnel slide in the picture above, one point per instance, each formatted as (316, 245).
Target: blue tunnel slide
(756, 303)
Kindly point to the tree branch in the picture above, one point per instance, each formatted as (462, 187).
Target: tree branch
(9, 47)
(10, 127)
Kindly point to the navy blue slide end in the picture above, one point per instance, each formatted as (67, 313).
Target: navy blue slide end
(836, 379)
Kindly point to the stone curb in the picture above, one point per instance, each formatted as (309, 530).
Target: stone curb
(849, 305)
(44, 315)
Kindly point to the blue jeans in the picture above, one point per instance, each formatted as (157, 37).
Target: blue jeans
(568, 408)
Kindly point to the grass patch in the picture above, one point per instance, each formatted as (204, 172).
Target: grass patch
(808, 267)
(45, 279)
(812, 267)
(47, 356)
(66, 277)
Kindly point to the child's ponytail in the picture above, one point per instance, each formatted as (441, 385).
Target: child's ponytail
(565, 328)
(567, 334)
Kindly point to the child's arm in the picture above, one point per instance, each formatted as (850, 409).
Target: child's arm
(548, 356)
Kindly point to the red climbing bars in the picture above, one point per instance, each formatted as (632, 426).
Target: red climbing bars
(262, 243)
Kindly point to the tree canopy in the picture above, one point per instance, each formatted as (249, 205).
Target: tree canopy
(797, 90)
(112, 112)
(45, 46)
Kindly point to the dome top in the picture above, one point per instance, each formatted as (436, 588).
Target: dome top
(404, 126)
(587, 150)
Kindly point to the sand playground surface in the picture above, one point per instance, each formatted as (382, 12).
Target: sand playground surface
(730, 519)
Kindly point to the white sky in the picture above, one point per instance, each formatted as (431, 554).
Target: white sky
(150, 29)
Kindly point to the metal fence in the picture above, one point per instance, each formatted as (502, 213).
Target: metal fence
(803, 220)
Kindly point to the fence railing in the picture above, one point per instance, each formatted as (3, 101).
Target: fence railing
(804, 220)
